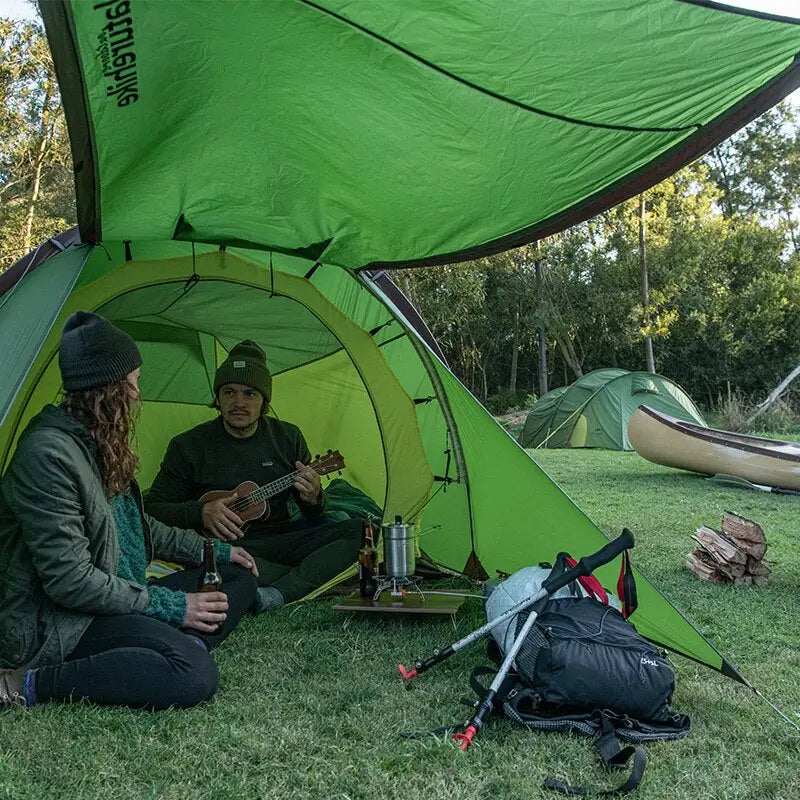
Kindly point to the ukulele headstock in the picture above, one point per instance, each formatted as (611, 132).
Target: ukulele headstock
(332, 461)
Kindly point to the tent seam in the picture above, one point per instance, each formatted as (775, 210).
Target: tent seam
(668, 162)
(496, 95)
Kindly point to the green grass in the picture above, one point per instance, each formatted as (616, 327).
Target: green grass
(311, 704)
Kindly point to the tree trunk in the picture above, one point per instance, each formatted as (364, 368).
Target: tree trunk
(407, 289)
(484, 383)
(541, 332)
(568, 352)
(576, 364)
(648, 341)
(726, 193)
(512, 381)
(792, 230)
(543, 385)
(41, 149)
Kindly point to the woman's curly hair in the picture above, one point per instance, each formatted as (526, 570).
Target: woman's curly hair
(110, 413)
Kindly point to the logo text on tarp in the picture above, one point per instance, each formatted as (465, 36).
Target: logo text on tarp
(115, 51)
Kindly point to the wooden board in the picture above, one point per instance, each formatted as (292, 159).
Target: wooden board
(412, 603)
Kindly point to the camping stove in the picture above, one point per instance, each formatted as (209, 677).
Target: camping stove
(399, 560)
(397, 587)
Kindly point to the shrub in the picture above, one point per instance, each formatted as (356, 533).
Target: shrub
(779, 418)
(731, 412)
(503, 402)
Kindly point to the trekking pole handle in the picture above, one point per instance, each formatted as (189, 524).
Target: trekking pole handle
(588, 564)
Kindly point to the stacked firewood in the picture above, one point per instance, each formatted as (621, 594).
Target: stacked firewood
(733, 555)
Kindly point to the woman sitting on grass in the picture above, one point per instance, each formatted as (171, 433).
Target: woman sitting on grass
(78, 619)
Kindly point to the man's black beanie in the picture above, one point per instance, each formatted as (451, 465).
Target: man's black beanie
(246, 364)
(94, 352)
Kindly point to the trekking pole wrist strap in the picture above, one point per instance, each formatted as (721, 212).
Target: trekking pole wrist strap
(589, 564)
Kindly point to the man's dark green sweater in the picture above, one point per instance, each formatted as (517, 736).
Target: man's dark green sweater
(206, 458)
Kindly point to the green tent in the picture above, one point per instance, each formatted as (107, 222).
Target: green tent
(594, 411)
(350, 369)
(245, 169)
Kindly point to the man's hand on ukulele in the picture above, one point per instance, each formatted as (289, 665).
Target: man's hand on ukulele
(220, 521)
(240, 556)
(205, 610)
(307, 483)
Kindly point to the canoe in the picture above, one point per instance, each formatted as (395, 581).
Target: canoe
(674, 443)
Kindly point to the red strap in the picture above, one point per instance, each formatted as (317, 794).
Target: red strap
(592, 586)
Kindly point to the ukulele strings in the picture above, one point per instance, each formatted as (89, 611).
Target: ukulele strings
(263, 493)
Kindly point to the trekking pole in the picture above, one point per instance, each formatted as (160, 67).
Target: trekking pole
(585, 566)
(440, 654)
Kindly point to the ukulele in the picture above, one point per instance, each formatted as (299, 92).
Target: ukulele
(252, 501)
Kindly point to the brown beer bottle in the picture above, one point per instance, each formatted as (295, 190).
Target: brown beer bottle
(367, 563)
(210, 580)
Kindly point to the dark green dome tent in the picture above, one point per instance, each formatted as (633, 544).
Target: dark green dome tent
(246, 169)
(594, 411)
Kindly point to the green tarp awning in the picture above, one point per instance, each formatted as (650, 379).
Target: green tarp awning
(385, 131)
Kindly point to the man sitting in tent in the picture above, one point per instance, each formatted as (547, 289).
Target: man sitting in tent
(244, 444)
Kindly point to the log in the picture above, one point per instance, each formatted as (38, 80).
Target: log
(720, 546)
(753, 549)
(742, 528)
(700, 564)
(733, 555)
(747, 535)
(757, 568)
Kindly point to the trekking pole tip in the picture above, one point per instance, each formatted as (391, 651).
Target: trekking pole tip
(407, 674)
(465, 739)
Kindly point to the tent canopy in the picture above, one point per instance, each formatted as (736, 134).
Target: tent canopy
(594, 411)
(371, 131)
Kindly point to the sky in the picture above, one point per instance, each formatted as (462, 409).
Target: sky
(21, 9)
(16, 9)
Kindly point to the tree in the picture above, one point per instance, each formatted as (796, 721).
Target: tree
(36, 181)
(758, 171)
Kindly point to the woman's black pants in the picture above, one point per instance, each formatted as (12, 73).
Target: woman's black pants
(137, 661)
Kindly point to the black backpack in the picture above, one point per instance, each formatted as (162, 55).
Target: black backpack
(584, 668)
